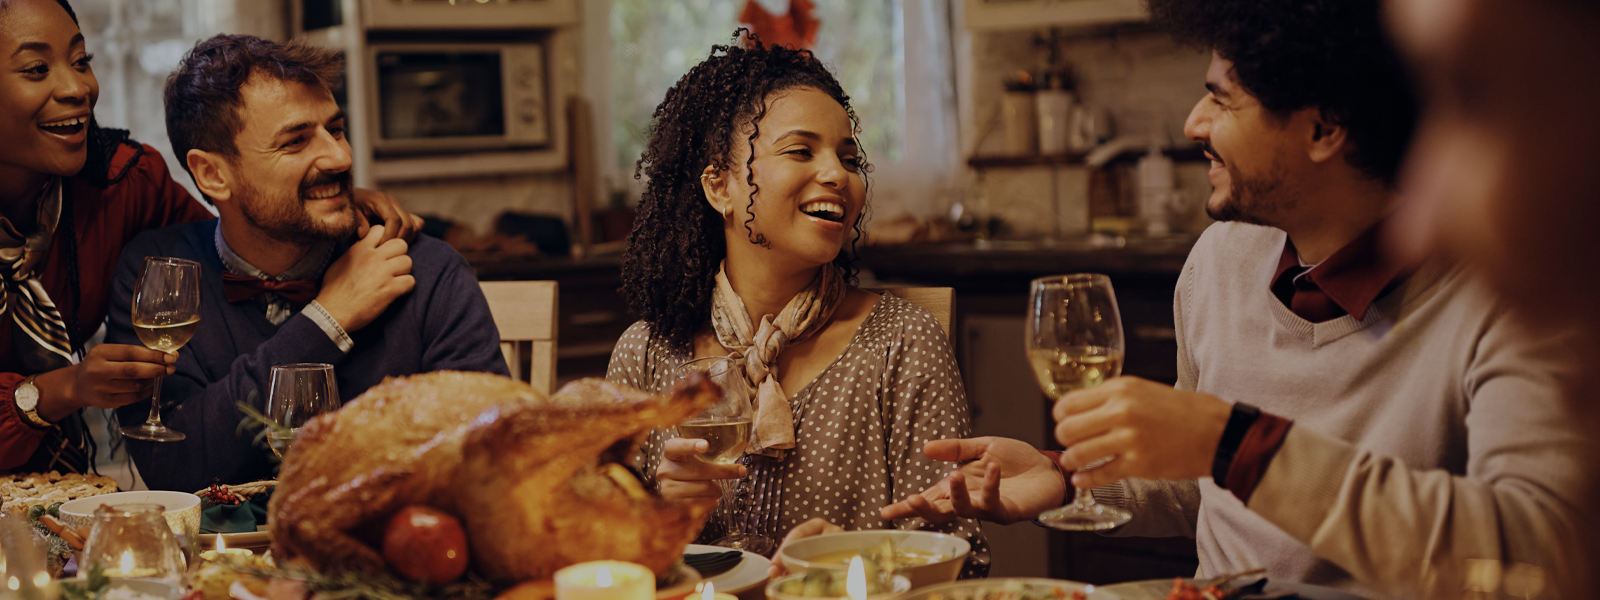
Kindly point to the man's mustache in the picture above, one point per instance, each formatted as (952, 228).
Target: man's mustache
(319, 179)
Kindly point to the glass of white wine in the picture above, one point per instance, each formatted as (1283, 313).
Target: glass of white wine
(298, 392)
(726, 429)
(1074, 338)
(166, 311)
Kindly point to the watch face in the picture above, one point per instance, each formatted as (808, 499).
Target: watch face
(27, 396)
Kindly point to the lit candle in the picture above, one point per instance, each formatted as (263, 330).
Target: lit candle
(605, 580)
(223, 551)
(125, 568)
(709, 592)
(856, 583)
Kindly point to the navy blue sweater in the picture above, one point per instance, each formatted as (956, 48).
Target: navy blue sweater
(443, 324)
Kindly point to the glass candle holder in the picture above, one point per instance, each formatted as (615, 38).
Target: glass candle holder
(134, 540)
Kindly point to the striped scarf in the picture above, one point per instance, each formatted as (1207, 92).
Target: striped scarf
(39, 337)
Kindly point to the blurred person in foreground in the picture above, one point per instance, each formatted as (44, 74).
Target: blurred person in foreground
(284, 275)
(71, 194)
(1406, 424)
(1503, 173)
(744, 248)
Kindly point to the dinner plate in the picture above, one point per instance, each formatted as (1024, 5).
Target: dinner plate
(748, 575)
(1157, 589)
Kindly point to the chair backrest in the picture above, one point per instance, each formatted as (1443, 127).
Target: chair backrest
(525, 312)
(941, 301)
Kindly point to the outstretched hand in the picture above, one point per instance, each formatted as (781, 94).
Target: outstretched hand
(998, 479)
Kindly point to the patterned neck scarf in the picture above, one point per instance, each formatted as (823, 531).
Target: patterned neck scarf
(39, 334)
(758, 345)
(39, 338)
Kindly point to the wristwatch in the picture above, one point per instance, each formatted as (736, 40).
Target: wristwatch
(27, 399)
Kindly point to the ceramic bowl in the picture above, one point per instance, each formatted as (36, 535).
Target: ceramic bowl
(901, 586)
(798, 556)
(183, 510)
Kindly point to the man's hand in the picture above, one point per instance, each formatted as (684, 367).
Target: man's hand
(814, 527)
(683, 476)
(109, 376)
(397, 223)
(1000, 480)
(363, 282)
(1155, 432)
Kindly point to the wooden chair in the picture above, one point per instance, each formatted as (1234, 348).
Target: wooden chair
(941, 301)
(525, 312)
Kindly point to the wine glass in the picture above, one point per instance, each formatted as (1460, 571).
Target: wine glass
(298, 392)
(1074, 339)
(166, 311)
(725, 427)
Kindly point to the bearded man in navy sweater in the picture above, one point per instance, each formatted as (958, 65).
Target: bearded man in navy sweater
(259, 131)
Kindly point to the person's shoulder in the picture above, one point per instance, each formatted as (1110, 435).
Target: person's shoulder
(1229, 240)
(898, 320)
(430, 252)
(178, 241)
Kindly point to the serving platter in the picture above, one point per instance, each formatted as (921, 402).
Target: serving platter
(1157, 589)
(750, 574)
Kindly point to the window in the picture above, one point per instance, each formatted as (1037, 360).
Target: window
(864, 43)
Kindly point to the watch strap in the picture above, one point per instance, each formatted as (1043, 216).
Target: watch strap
(1239, 421)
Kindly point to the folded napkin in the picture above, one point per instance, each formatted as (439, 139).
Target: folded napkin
(235, 518)
(713, 563)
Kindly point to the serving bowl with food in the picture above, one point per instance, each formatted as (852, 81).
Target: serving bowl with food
(182, 510)
(1010, 588)
(923, 557)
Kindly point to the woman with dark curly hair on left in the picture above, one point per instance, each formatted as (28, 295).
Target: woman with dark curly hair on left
(755, 189)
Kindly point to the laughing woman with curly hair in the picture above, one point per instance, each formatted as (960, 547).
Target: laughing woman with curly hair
(755, 191)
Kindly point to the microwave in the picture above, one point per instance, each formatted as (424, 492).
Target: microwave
(454, 97)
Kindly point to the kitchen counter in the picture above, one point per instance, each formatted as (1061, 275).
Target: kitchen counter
(970, 266)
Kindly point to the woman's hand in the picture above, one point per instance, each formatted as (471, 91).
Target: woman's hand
(999, 479)
(397, 223)
(110, 376)
(811, 528)
(682, 476)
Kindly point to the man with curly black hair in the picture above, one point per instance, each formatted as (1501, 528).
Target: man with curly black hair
(1406, 427)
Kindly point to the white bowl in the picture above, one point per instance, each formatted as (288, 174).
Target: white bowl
(1023, 586)
(797, 556)
(901, 585)
(182, 510)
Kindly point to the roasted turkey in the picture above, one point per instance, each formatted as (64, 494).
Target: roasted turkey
(538, 483)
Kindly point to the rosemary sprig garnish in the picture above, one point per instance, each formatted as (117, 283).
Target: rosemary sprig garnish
(384, 586)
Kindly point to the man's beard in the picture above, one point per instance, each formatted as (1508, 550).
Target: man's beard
(1254, 200)
(286, 219)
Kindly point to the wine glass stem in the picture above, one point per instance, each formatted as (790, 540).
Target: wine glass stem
(155, 405)
(1081, 497)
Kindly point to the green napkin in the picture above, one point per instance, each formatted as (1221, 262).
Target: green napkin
(235, 518)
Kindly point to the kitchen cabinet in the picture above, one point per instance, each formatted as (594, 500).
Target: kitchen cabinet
(1001, 15)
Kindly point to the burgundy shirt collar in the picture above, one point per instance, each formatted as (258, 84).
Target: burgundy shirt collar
(1354, 276)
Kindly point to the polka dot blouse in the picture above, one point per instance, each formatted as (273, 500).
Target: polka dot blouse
(859, 430)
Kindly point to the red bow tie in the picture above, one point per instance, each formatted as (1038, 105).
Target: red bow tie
(298, 292)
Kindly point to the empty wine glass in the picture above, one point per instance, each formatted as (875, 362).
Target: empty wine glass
(298, 392)
(1074, 341)
(166, 312)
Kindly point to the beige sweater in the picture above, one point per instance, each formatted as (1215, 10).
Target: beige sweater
(1428, 434)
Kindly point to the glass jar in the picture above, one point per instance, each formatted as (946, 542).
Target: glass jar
(134, 540)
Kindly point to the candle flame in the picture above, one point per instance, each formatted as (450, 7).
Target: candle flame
(127, 562)
(710, 592)
(603, 577)
(41, 579)
(220, 546)
(14, 583)
(856, 583)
